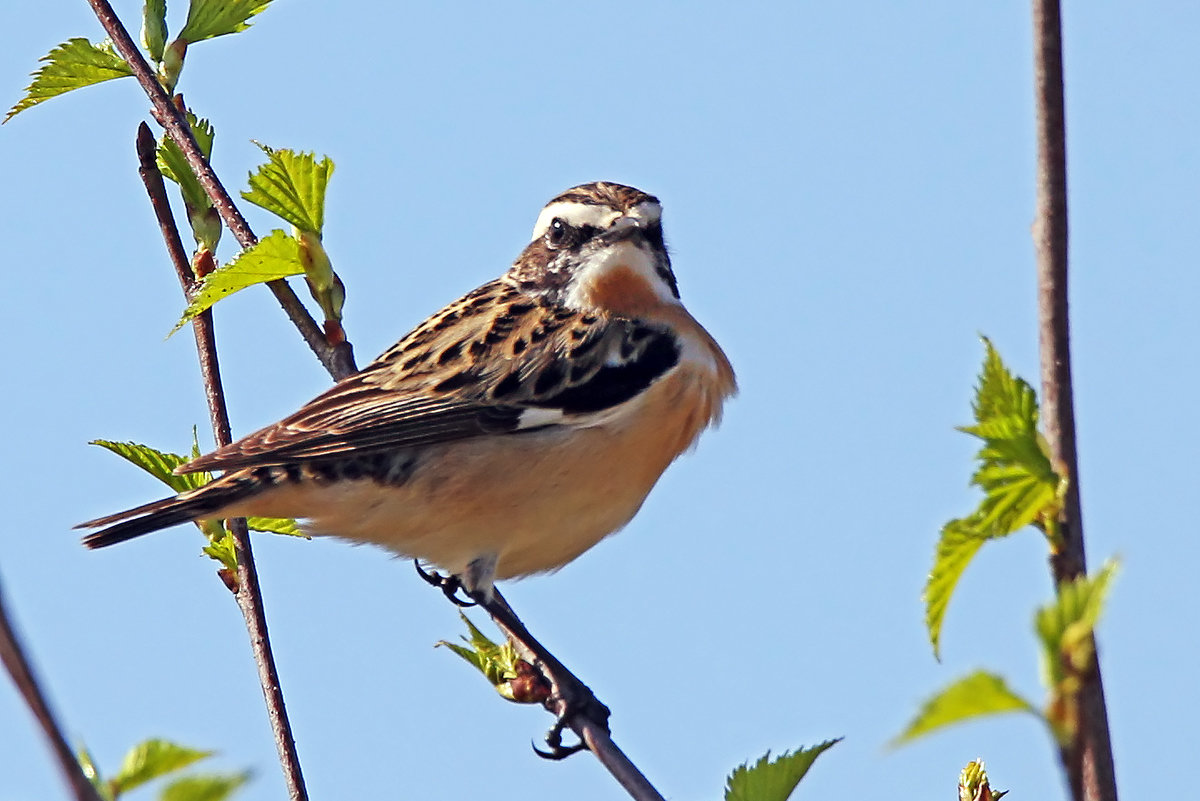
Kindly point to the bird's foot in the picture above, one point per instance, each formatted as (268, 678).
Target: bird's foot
(578, 702)
(449, 584)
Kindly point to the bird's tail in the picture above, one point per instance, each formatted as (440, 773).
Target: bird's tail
(197, 504)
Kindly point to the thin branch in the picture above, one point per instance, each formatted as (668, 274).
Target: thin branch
(339, 359)
(588, 718)
(14, 659)
(1088, 760)
(248, 593)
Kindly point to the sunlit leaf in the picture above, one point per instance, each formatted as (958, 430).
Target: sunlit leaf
(157, 463)
(959, 543)
(152, 759)
(209, 18)
(174, 165)
(275, 525)
(154, 28)
(204, 787)
(74, 64)
(292, 186)
(973, 696)
(773, 779)
(276, 256)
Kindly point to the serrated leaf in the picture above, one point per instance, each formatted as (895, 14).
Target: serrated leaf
(1019, 482)
(157, 463)
(292, 186)
(973, 696)
(773, 779)
(174, 165)
(206, 787)
(276, 256)
(154, 27)
(74, 64)
(210, 18)
(959, 543)
(220, 544)
(151, 759)
(1065, 627)
(275, 525)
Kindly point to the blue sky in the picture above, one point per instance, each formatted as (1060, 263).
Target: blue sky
(848, 192)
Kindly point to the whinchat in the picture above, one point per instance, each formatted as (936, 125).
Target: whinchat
(509, 432)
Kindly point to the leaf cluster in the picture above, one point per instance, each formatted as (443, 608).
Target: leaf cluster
(155, 759)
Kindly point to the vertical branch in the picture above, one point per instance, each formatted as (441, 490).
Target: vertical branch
(1088, 758)
(17, 663)
(248, 594)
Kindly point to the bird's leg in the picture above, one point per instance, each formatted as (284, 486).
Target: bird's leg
(570, 699)
(448, 584)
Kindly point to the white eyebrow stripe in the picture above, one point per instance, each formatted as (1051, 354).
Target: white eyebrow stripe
(599, 216)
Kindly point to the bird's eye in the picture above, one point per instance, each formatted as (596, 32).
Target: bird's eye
(559, 233)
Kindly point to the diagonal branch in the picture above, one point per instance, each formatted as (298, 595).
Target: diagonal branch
(14, 659)
(339, 359)
(247, 591)
(1088, 759)
(592, 728)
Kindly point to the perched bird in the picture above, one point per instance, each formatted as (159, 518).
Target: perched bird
(509, 432)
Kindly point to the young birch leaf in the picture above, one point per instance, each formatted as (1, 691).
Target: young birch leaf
(959, 543)
(276, 256)
(151, 759)
(973, 696)
(203, 787)
(1065, 629)
(174, 165)
(1019, 482)
(292, 186)
(154, 28)
(209, 18)
(275, 525)
(157, 463)
(773, 779)
(74, 64)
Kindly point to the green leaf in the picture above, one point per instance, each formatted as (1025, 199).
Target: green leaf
(174, 165)
(512, 677)
(154, 27)
(220, 544)
(773, 779)
(209, 18)
(204, 787)
(151, 759)
(74, 64)
(276, 256)
(276, 525)
(1019, 482)
(292, 186)
(959, 543)
(973, 696)
(1066, 629)
(157, 463)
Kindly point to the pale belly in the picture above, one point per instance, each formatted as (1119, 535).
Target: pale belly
(536, 500)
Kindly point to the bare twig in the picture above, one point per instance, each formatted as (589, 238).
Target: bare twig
(248, 594)
(14, 659)
(1088, 760)
(339, 359)
(588, 720)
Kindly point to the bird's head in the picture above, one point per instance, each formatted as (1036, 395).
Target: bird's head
(599, 247)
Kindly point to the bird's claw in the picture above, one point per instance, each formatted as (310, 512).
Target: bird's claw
(448, 584)
(556, 750)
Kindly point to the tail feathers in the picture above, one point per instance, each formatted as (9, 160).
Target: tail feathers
(195, 505)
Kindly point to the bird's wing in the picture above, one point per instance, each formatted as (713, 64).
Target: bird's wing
(493, 363)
